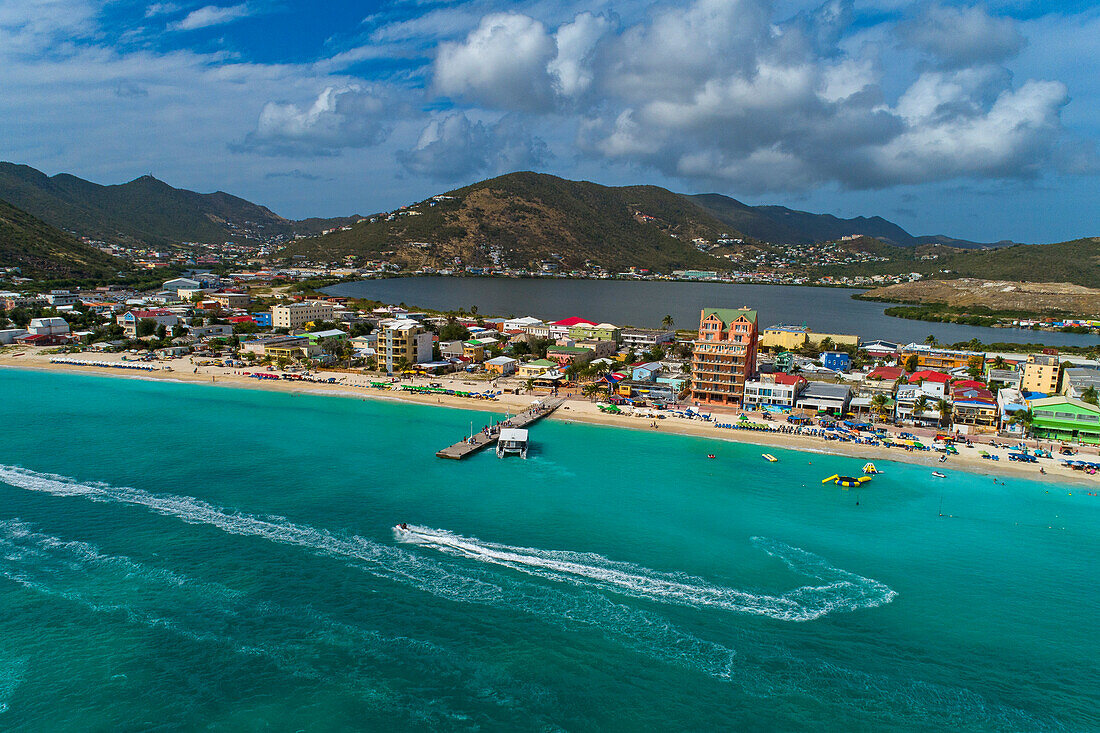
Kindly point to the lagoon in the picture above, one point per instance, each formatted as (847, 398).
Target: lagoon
(645, 303)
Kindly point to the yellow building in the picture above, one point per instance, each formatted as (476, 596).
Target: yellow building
(532, 369)
(791, 338)
(473, 350)
(838, 339)
(296, 315)
(1041, 374)
(784, 338)
(402, 341)
(939, 360)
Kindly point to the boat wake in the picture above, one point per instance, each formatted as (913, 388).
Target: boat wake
(645, 632)
(839, 591)
(303, 642)
(298, 640)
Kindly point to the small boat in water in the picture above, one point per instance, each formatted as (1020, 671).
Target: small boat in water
(512, 441)
(937, 474)
(769, 457)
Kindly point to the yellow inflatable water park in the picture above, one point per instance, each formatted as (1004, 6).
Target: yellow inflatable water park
(870, 470)
(848, 482)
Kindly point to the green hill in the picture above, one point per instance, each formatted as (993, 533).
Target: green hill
(523, 219)
(781, 225)
(46, 253)
(145, 210)
(1077, 262)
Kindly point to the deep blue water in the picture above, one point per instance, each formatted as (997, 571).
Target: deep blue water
(189, 556)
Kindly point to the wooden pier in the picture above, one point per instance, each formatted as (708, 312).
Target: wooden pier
(532, 415)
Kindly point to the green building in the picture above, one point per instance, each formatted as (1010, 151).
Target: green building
(600, 332)
(1065, 418)
(784, 362)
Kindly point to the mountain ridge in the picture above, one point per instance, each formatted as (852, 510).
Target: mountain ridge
(146, 210)
(45, 252)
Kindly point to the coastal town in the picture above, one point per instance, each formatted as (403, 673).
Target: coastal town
(728, 373)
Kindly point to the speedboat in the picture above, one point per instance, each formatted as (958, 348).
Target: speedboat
(937, 474)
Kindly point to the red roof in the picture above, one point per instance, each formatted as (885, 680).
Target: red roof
(886, 372)
(968, 384)
(929, 376)
(782, 378)
(574, 321)
(974, 395)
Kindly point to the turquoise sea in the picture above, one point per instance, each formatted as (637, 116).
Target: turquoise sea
(189, 557)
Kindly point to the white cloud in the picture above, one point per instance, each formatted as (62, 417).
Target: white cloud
(716, 90)
(575, 42)
(959, 37)
(451, 147)
(344, 117)
(502, 63)
(210, 15)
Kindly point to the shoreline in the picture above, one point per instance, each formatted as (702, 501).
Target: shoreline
(576, 411)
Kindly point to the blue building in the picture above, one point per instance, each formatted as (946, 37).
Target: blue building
(262, 319)
(838, 361)
(646, 372)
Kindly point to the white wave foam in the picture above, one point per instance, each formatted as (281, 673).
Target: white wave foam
(843, 591)
(642, 631)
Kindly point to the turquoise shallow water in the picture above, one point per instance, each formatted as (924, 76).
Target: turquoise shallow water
(178, 556)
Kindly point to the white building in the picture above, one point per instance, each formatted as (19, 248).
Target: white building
(776, 390)
(646, 338)
(48, 326)
(182, 283)
(9, 335)
(61, 297)
(521, 324)
(297, 315)
(910, 394)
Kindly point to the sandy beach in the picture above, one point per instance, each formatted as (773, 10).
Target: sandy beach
(575, 409)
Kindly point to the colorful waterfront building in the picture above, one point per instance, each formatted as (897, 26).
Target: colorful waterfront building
(1041, 374)
(724, 355)
(929, 357)
(1065, 418)
(402, 341)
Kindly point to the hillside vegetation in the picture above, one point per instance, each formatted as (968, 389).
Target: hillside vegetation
(1076, 262)
(523, 219)
(46, 253)
(144, 210)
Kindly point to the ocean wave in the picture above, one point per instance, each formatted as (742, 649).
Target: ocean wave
(842, 591)
(642, 631)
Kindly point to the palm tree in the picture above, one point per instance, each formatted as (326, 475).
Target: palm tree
(999, 362)
(1090, 395)
(920, 406)
(1022, 417)
(667, 322)
(591, 389)
(879, 403)
(945, 409)
(931, 340)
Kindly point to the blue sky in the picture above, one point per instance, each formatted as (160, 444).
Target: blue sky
(974, 120)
